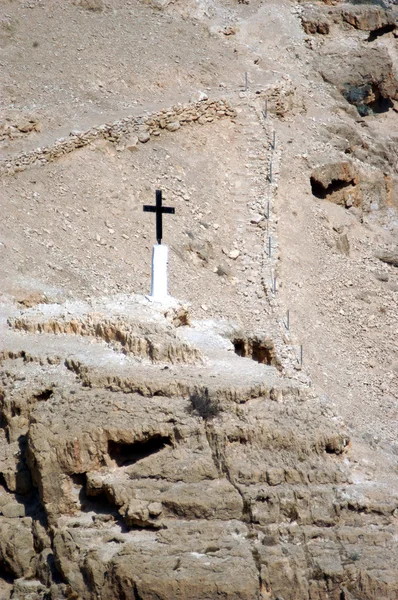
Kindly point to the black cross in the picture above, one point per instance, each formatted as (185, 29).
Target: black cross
(159, 210)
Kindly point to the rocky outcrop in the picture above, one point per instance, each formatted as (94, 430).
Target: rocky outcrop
(363, 72)
(156, 343)
(349, 186)
(377, 20)
(391, 258)
(226, 492)
(337, 182)
(314, 21)
(369, 89)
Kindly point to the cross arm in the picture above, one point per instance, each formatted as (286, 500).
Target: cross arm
(168, 209)
(149, 208)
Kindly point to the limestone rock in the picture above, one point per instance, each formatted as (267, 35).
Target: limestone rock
(365, 17)
(13, 510)
(234, 254)
(144, 137)
(343, 244)
(370, 89)
(368, 18)
(132, 143)
(155, 343)
(314, 21)
(337, 182)
(199, 96)
(284, 99)
(236, 486)
(91, 5)
(390, 258)
(17, 552)
(173, 126)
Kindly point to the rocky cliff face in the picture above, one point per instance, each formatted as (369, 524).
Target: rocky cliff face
(238, 489)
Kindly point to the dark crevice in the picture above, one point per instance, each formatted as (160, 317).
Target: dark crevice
(222, 467)
(137, 595)
(239, 347)
(147, 527)
(258, 349)
(367, 99)
(380, 31)
(128, 454)
(3, 482)
(253, 349)
(98, 503)
(44, 395)
(331, 449)
(381, 105)
(366, 510)
(55, 575)
(33, 507)
(24, 477)
(319, 191)
(6, 574)
(257, 562)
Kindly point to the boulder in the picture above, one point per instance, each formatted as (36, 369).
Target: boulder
(17, 551)
(173, 126)
(132, 143)
(144, 137)
(391, 258)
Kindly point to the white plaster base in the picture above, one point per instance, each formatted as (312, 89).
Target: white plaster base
(160, 255)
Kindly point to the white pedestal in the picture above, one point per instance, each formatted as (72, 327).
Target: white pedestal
(160, 254)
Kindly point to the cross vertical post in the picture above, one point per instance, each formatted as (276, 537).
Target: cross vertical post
(159, 210)
(160, 251)
(159, 220)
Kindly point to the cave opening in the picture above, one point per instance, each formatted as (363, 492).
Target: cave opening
(44, 395)
(128, 454)
(367, 99)
(373, 35)
(261, 354)
(258, 349)
(239, 346)
(321, 192)
(381, 105)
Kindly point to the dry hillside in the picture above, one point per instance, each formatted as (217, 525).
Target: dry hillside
(238, 441)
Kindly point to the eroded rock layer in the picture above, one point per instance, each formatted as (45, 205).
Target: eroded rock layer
(227, 493)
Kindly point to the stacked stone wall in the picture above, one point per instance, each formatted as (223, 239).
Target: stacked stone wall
(145, 126)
